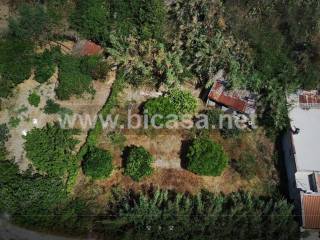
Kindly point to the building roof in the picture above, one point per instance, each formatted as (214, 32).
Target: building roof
(306, 142)
(87, 48)
(311, 211)
(232, 99)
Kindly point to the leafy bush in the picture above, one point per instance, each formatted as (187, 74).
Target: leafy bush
(175, 102)
(34, 99)
(32, 23)
(71, 80)
(138, 163)
(97, 163)
(206, 158)
(50, 149)
(246, 165)
(16, 59)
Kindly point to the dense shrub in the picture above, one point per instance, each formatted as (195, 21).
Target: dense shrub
(14, 121)
(50, 149)
(34, 99)
(203, 216)
(71, 80)
(138, 163)
(16, 59)
(97, 163)
(246, 165)
(175, 102)
(206, 158)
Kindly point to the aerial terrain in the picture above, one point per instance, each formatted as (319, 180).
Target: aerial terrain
(158, 119)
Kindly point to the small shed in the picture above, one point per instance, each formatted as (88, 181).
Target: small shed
(86, 48)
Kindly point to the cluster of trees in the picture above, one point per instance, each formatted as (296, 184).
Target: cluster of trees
(169, 215)
(34, 99)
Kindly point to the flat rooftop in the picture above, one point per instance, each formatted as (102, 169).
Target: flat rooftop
(307, 141)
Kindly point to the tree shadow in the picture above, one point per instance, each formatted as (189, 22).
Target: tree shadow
(124, 155)
(185, 145)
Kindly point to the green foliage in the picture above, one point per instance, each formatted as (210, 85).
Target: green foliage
(16, 58)
(175, 102)
(91, 19)
(71, 80)
(4, 135)
(206, 158)
(117, 139)
(45, 65)
(169, 215)
(94, 66)
(97, 163)
(39, 202)
(246, 165)
(34, 99)
(50, 149)
(51, 107)
(138, 163)
(32, 23)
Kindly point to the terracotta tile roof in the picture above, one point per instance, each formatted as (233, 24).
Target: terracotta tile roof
(311, 211)
(87, 48)
(230, 100)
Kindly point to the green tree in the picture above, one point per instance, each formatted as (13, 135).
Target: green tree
(33, 23)
(45, 64)
(51, 107)
(97, 163)
(206, 158)
(4, 135)
(138, 163)
(50, 149)
(34, 99)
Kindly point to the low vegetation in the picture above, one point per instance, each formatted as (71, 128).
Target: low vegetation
(4, 135)
(138, 163)
(246, 165)
(206, 158)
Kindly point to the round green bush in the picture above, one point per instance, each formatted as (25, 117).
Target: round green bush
(138, 163)
(206, 158)
(97, 163)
